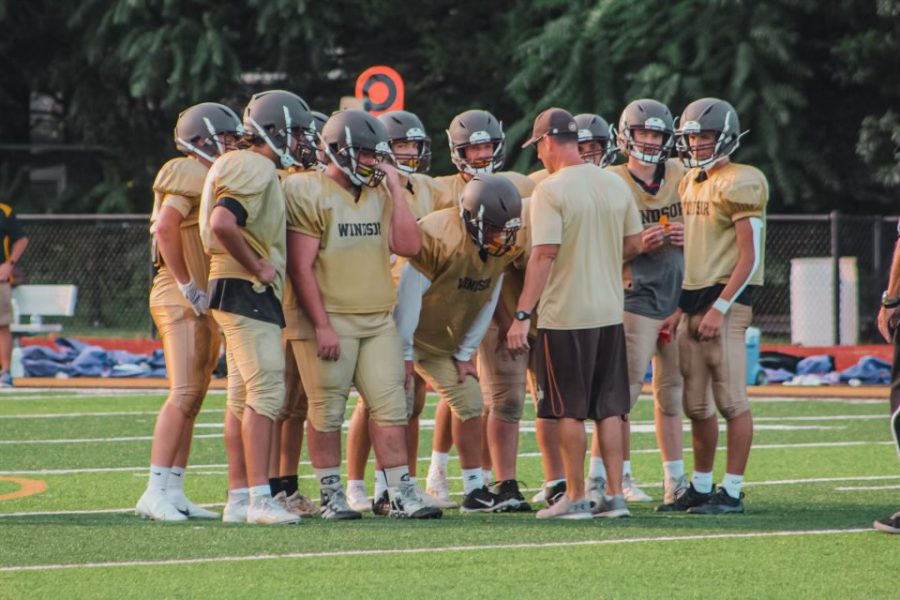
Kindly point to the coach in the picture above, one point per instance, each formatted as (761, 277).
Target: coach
(584, 224)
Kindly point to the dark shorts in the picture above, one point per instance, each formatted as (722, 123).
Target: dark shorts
(582, 373)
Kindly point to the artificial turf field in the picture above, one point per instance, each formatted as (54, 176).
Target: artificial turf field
(820, 472)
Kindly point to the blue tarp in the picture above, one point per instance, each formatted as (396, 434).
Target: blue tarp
(77, 359)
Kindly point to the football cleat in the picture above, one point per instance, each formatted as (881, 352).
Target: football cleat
(632, 492)
(719, 503)
(236, 510)
(154, 505)
(381, 505)
(297, 504)
(554, 493)
(264, 510)
(333, 506)
(438, 488)
(684, 499)
(358, 500)
(188, 508)
(510, 498)
(888, 524)
(610, 507)
(540, 496)
(563, 508)
(480, 500)
(407, 503)
(596, 488)
(674, 488)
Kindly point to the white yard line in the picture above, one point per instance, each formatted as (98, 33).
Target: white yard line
(426, 550)
(863, 488)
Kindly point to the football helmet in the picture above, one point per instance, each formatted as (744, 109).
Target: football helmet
(349, 133)
(201, 130)
(708, 115)
(653, 116)
(404, 126)
(594, 128)
(278, 118)
(476, 127)
(318, 122)
(492, 211)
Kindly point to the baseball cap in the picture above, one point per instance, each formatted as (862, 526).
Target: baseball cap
(553, 121)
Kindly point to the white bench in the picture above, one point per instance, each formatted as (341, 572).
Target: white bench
(39, 301)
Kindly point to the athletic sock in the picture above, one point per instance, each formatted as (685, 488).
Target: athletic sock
(702, 481)
(733, 484)
(158, 478)
(487, 475)
(598, 469)
(381, 484)
(238, 494)
(289, 485)
(274, 485)
(395, 476)
(329, 479)
(673, 469)
(175, 481)
(626, 468)
(356, 485)
(472, 479)
(260, 491)
(439, 460)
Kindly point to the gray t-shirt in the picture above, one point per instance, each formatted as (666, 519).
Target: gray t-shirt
(655, 282)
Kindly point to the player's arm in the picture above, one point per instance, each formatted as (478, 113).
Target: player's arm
(888, 317)
(168, 242)
(479, 326)
(413, 285)
(632, 246)
(536, 275)
(20, 242)
(404, 237)
(226, 222)
(748, 232)
(302, 252)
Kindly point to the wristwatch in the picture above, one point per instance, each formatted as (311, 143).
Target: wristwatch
(889, 301)
(521, 315)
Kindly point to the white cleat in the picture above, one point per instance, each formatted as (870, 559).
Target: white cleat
(358, 500)
(154, 505)
(297, 503)
(632, 492)
(438, 488)
(596, 489)
(188, 508)
(541, 496)
(236, 510)
(565, 509)
(265, 511)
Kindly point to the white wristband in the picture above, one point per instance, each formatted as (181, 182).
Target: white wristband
(722, 305)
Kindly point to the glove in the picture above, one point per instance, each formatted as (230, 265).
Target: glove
(197, 297)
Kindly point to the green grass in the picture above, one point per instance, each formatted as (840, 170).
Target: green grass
(502, 556)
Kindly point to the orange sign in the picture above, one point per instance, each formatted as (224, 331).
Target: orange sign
(381, 89)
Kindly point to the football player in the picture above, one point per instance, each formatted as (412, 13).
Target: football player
(344, 224)
(595, 143)
(411, 150)
(179, 304)
(724, 206)
(242, 223)
(652, 287)
(447, 296)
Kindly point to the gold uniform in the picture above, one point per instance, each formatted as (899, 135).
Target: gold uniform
(461, 286)
(652, 286)
(711, 207)
(190, 342)
(248, 312)
(353, 271)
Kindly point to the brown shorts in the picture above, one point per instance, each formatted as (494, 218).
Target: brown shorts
(720, 364)
(191, 347)
(582, 373)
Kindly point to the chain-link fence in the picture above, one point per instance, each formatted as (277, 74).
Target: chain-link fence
(108, 258)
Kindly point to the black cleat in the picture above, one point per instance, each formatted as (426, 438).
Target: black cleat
(686, 499)
(889, 524)
(510, 499)
(381, 505)
(554, 493)
(719, 503)
(480, 500)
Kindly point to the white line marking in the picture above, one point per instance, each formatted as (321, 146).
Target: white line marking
(402, 551)
(867, 488)
(792, 400)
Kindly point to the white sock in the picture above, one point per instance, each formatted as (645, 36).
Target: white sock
(175, 481)
(330, 478)
(673, 469)
(472, 479)
(380, 483)
(733, 484)
(395, 476)
(356, 485)
(260, 491)
(487, 475)
(626, 468)
(598, 469)
(238, 494)
(439, 461)
(702, 482)
(158, 478)
(413, 479)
